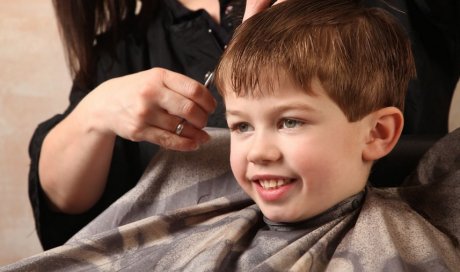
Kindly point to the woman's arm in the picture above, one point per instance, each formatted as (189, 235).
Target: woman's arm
(74, 162)
(146, 106)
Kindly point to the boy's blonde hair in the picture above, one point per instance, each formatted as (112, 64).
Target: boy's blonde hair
(361, 55)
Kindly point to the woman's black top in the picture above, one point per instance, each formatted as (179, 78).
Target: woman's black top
(176, 39)
(191, 43)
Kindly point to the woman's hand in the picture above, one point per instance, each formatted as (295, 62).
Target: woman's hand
(255, 6)
(149, 105)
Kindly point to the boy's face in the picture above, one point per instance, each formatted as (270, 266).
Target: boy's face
(295, 154)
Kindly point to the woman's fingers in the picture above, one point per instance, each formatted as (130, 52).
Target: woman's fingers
(170, 140)
(190, 89)
(180, 96)
(255, 6)
(183, 107)
(170, 123)
(149, 105)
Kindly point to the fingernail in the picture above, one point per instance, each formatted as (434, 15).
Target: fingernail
(204, 138)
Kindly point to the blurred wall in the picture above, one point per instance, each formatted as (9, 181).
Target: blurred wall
(34, 84)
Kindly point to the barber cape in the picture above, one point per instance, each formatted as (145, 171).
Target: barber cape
(188, 214)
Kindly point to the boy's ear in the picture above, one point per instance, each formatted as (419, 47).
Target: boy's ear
(386, 125)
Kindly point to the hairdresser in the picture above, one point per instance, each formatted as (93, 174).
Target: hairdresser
(138, 71)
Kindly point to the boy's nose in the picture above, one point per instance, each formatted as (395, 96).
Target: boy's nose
(263, 150)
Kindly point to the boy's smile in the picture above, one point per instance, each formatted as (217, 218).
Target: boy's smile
(295, 153)
(271, 188)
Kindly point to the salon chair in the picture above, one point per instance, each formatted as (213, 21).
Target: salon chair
(391, 170)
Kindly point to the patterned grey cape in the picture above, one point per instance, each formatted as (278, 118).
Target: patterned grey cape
(188, 214)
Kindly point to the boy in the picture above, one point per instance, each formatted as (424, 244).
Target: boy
(312, 101)
(314, 92)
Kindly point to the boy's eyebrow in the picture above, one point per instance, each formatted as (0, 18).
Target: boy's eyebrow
(295, 105)
(280, 108)
(234, 112)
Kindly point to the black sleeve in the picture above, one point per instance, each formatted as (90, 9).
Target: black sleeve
(52, 228)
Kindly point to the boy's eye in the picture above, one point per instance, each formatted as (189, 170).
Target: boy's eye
(241, 127)
(290, 123)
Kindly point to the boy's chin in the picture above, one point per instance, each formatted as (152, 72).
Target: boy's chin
(281, 216)
(288, 214)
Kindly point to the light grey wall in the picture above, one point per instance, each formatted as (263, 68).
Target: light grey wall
(34, 84)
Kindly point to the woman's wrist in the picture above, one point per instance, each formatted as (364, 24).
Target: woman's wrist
(92, 116)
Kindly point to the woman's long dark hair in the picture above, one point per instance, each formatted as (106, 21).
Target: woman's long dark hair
(80, 21)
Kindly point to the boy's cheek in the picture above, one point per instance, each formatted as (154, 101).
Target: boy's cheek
(238, 164)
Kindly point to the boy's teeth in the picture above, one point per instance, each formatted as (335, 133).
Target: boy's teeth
(273, 184)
